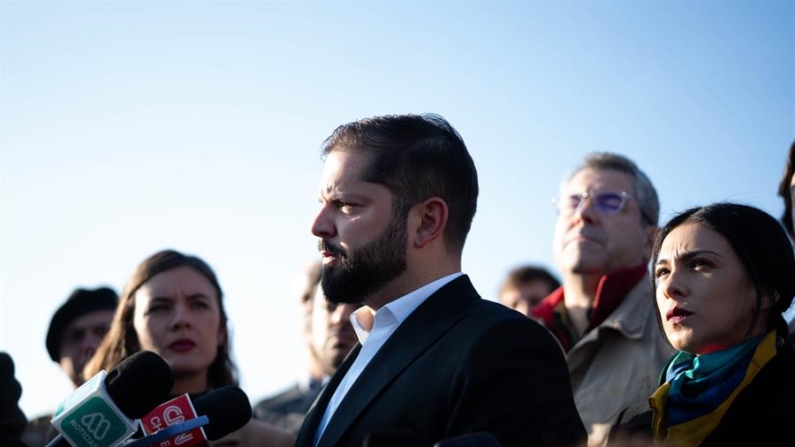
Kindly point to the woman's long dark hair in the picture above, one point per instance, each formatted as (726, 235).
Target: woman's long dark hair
(122, 341)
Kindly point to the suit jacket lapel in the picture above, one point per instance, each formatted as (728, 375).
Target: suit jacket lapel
(415, 335)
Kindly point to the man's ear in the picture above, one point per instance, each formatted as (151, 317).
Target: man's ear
(432, 218)
(769, 299)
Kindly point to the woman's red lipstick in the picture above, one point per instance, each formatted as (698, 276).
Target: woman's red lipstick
(677, 314)
(182, 345)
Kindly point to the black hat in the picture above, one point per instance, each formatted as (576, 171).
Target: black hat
(80, 302)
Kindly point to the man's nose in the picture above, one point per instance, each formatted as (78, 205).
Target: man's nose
(323, 226)
(586, 210)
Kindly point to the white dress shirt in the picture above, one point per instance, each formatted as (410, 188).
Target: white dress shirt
(385, 321)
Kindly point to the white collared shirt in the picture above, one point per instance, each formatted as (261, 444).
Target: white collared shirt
(385, 322)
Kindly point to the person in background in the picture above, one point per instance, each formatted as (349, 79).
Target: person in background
(603, 315)
(76, 330)
(723, 275)
(434, 360)
(12, 419)
(173, 306)
(525, 287)
(329, 337)
(786, 190)
(78, 327)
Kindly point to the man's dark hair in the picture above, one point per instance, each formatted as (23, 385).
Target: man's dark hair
(526, 273)
(416, 157)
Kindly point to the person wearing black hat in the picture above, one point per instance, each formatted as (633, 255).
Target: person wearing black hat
(78, 327)
(75, 331)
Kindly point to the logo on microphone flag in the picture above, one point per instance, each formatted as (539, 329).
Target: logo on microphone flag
(89, 418)
(175, 411)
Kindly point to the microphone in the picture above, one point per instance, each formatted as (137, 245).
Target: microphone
(175, 422)
(103, 411)
(168, 420)
(228, 409)
(478, 439)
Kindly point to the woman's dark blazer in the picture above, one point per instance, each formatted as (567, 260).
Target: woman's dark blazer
(763, 413)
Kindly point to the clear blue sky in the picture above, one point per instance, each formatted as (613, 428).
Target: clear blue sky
(129, 127)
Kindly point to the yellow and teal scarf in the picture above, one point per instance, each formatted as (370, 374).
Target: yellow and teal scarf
(700, 389)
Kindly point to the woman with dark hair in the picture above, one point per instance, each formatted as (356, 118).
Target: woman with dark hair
(173, 305)
(723, 275)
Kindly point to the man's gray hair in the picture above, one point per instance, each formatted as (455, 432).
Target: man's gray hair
(644, 191)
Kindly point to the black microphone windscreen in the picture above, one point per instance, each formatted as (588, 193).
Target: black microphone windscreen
(227, 408)
(139, 383)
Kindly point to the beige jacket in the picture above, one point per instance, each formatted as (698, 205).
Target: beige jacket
(617, 365)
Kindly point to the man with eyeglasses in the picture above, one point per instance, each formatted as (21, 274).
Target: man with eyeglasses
(603, 315)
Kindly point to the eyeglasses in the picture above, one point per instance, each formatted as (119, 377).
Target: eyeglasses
(605, 202)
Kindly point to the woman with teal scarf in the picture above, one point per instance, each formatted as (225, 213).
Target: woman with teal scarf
(723, 276)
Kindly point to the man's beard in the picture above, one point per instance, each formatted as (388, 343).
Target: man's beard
(365, 270)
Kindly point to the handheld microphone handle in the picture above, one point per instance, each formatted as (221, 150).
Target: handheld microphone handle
(146, 441)
(171, 430)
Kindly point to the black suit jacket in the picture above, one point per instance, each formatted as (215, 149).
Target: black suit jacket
(458, 364)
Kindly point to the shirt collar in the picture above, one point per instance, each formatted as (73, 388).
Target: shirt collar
(396, 311)
(612, 290)
(610, 293)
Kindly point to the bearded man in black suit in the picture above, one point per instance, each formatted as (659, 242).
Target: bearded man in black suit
(434, 361)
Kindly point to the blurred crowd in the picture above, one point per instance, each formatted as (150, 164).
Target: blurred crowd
(675, 333)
